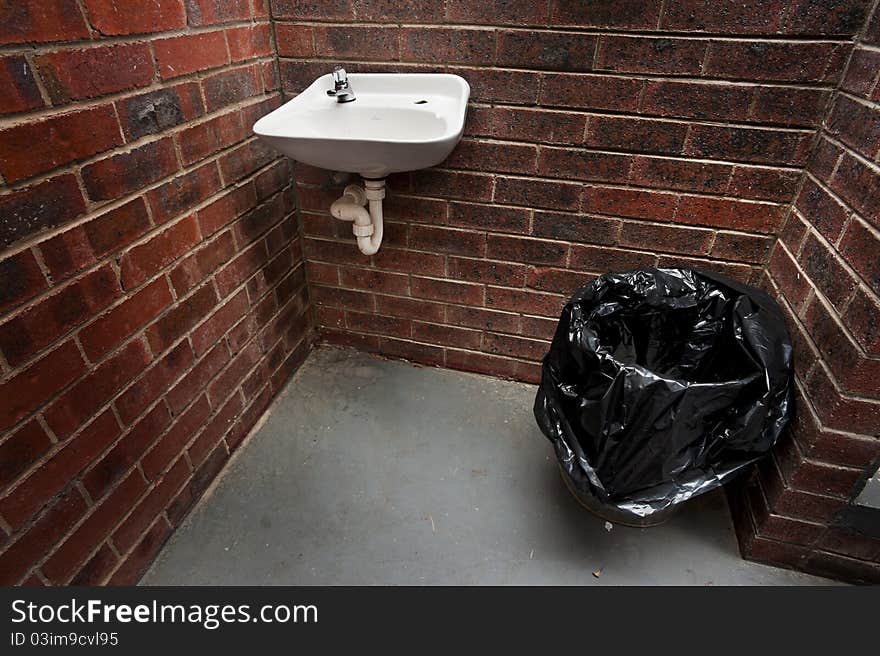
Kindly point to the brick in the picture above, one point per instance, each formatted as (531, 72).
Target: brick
(249, 41)
(446, 45)
(139, 559)
(177, 322)
(857, 125)
(748, 144)
(558, 281)
(488, 217)
(556, 127)
(375, 323)
(631, 203)
(447, 240)
(859, 247)
(480, 363)
(528, 302)
(179, 396)
(793, 107)
(231, 378)
(143, 515)
(512, 346)
(375, 281)
(637, 14)
(784, 271)
(357, 42)
(19, 84)
(557, 51)
(173, 443)
(747, 17)
(636, 134)
(41, 536)
(76, 549)
(147, 259)
(860, 318)
(487, 156)
(55, 473)
(603, 259)
(295, 40)
(241, 268)
(453, 184)
(668, 238)
(47, 321)
(822, 266)
(226, 209)
(741, 247)
(695, 100)
(763, 184)
(409, 308)
(446, 335)
(202, 263)
(687, 175)
(484, 319)
(98, 567)
(245, 159)
(210, 12)
(190, 53)
(232, 86)
(215, 326)
(109, 19)
(115, 176)
(207, 138)
(125, 319)
(501, 273)
(82, 400)
(20, 279)
(538, 193)
(517, 249)
(424, 353)
(154, 384)
(856, 183)
(126, 452)
(157, 111)
(585, 91)
(861, 74)
(651, 55)
(203, 447)
(40, 146)
(567, 163)
(183, 192)
(762, 60)
(575, 227)
(29, 389)
(42, 21)
(92, 72)
(22, 449)
(86, 243)
(726, 213)
(836, 18)
(447, 290)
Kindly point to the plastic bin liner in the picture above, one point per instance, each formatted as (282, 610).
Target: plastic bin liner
(660, 384)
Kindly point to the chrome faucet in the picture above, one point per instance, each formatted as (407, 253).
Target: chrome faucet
(341, 90)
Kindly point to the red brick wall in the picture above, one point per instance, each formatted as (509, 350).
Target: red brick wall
(825, 271)
(610, 135)
(601, 135)
(152, 288)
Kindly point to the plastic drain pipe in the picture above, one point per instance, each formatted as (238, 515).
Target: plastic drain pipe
(367, 225)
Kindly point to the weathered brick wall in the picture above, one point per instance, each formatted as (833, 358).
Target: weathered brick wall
(600, 136)
(152, 288)
(825, 272)
(610, 135)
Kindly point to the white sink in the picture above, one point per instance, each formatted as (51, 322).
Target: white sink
(398, 122)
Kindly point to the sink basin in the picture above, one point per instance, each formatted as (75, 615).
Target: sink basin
(399, 122)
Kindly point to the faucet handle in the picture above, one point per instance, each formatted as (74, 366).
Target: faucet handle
(340, 77)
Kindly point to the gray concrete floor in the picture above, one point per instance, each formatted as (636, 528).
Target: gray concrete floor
(380, 472)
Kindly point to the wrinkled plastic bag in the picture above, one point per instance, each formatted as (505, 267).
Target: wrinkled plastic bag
(661, 384)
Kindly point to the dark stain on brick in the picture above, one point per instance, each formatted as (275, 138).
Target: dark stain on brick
(152, 113)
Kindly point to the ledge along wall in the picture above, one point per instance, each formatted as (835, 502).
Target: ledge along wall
(152, 285)
(740, 137)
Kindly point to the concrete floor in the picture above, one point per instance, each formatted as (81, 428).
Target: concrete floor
(380, 472)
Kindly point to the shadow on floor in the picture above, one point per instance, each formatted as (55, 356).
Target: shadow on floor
(380, 472)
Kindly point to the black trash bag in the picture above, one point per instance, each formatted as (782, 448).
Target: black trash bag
(660, 384)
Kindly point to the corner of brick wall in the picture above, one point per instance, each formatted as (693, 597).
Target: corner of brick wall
(152, 283)
(825, 273)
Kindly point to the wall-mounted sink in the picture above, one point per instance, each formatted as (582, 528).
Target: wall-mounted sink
(372, 124)
(398, 122)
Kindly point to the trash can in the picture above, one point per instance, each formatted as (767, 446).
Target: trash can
(662, 384)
